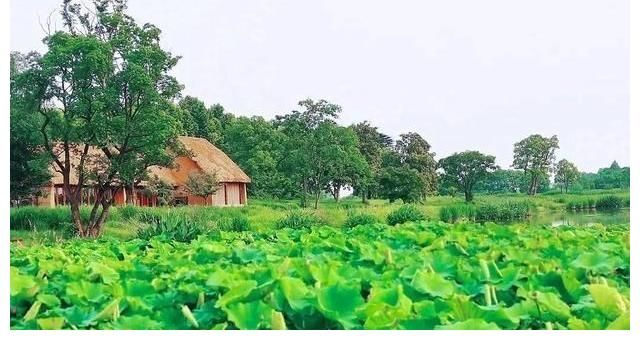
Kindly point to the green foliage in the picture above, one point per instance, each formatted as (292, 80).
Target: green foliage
(234, 223)
(298, 219)
(464, 170)
(609, 203)
(405, 213)
(535, 155)
(401, 183)
(172, 227)
(28, 163)
(111, 92)
(507, 211)
(566, 174)
(202, 184)
(425, 275)
(355, 219)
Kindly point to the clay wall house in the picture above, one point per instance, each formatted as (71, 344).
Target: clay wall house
(203, 157)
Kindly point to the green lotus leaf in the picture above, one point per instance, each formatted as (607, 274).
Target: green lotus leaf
(137, 322)
(470, 324)
(608, 300)
(433, 284)
(340, 302)
(238, 291)
(250, 315)
(51, 323)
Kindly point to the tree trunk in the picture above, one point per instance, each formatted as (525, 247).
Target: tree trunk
(303, 201)
(130, 195)
(317, 199)
(468, 196)
(336, 192)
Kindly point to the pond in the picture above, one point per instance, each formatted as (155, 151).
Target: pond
(581, 218)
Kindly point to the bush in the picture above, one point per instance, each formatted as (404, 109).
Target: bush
(298, 219)
(236, 223)
(172, 227)
(404, 214)
(609, 203)
(355, 219)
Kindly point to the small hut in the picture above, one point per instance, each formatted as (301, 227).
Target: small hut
(203, 157)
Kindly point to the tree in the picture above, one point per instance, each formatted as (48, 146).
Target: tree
(346, 166)
(566, 174)
(311, 153)
(401, 182)
(28, 163)
(202, 184)
(259, 149)
(160, 190)
(104, 84)
(199, 121)
(503, 181)
(464, 170)
(371, 144)
(414, 151)
(535, 155)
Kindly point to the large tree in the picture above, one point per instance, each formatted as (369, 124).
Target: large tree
(535, 155)
(566, 174)
(316, 148)
(415, 152)
(371, 144)
(464, 170)
(259, 149)
(401, 182)
(104, 85)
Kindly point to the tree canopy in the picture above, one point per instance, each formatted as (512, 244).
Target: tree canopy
(464, 170)
(535, 156)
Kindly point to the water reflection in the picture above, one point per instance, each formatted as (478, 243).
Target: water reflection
(581, 218)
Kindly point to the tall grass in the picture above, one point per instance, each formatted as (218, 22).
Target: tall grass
(483, 212)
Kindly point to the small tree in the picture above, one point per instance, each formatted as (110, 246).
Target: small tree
(534, 155)
(566, 174)
(464, 170)
(162, 191)
(202, 184)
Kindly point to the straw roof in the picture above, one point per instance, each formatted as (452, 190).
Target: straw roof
(207, 157)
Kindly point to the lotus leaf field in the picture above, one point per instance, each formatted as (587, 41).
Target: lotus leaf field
(420, 275)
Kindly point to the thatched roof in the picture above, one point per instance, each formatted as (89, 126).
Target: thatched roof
(207, 157)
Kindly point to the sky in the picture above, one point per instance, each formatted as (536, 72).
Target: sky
(464, 74)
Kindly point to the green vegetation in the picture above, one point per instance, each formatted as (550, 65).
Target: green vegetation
(355, 219)
(421, 275)
(405, 213)
(499, 212)
(298, 219)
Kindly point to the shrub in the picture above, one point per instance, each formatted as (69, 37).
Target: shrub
(404, 214)
(355, 219)
(236, 223)
(298, 219)
(172, 227)
(609, 203)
